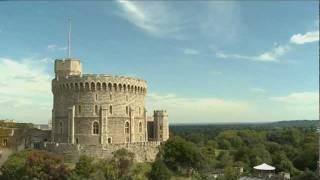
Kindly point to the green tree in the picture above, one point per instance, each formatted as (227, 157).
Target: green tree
(180, 155)
(13, 168)
(123, 160)
(306, 175)
(160, 171)
(34, 165)
(84, 167)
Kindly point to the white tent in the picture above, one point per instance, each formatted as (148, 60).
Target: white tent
(264, 167)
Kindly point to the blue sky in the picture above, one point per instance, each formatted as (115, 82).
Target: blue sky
(204, 61)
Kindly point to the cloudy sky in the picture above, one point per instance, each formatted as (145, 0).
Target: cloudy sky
(205, 62)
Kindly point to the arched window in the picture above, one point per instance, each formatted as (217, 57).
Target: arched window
(87, 86)
(98, 86)
(115, 87)
(110, 87)
(109, 140)
(126, 127)
(81, 86)
(140, 127)
(110, 109)
(120, 87)
(95, 128)
(93, 86)
(104, 86)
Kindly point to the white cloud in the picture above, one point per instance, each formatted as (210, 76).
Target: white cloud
(258, 90)
(221, 20)
(301, 105)
(25, 90)
(305, 38)
(189, 51)
(154, 17)
(298, 105)
(195, 110)
(53, 47)
(301, 98)
(269, 56)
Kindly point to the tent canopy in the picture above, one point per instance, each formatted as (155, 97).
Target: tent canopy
(264, 167)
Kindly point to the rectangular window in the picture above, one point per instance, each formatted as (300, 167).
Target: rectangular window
(110, 109)
(5, 143)
(96, 109)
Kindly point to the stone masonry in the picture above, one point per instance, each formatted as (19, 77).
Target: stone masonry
(102, 112)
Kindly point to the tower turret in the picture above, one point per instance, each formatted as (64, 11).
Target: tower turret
(161, 126)
(67, 67)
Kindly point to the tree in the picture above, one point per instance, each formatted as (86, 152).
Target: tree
(180, 155)
(123, 160)
(13, 168)
(84, 167)
(307, 174)
(159, 171)
(34, 165)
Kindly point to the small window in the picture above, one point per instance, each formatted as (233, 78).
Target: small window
(5, 143)
(126, 128)
(110, 109)
(127, 110)
(95, 128)
(160, 135)
(140, 127)
(96, 97)
(96, 109)
(160, 127)
(60, 127)
(77, 141)
(79, 109)
(109, 140)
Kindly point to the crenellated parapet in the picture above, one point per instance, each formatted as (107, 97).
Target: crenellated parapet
(90, 82)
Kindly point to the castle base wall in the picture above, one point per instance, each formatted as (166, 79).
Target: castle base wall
(144, 151)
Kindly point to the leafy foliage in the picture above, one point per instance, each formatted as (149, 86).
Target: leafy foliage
(34, 165)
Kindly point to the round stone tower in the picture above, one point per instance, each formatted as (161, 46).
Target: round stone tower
(96, 109)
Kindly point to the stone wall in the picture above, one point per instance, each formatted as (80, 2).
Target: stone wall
(121, 97)
(144, 151)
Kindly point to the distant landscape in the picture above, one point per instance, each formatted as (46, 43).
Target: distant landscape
(200, 151)
(288, 123)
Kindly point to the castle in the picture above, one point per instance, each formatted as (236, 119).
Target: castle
(97, 114)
